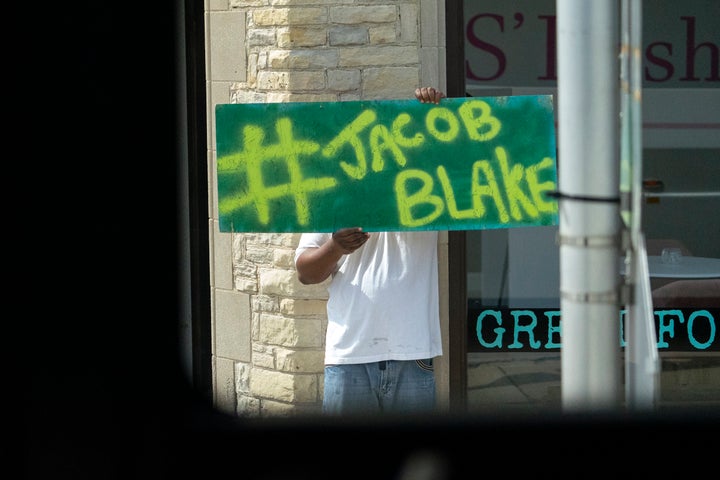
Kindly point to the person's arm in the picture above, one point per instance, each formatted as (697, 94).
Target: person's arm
(314, 265)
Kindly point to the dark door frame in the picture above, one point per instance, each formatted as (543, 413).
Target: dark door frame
(457, 281)
(194, 294)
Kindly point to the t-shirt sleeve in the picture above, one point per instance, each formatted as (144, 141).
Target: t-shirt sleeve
(311, 240)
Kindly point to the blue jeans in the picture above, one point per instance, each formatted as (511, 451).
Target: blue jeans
(392, 386)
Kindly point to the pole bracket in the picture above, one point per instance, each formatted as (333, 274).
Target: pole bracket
(582, 198)
(610, 297)
(595, 241)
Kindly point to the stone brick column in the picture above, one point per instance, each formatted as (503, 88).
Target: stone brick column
(268, 329)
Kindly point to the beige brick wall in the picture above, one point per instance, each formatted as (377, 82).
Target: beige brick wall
(268, 329)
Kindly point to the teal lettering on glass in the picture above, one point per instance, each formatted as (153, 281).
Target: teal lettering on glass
(527, 328)
(711, 324)
(524, 327)
(498, 341)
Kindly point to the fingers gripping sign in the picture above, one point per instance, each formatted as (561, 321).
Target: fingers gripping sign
(428, 95)
(350, 239)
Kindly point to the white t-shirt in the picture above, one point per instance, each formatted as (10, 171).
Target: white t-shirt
(383, 299)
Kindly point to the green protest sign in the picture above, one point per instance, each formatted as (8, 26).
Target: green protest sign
(387, 165)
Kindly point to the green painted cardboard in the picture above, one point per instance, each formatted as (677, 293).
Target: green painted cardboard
(387, 165)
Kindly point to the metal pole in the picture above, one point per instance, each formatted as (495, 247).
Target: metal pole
(588, 159)
(642, 363)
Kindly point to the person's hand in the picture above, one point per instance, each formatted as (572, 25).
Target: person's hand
(428, 95)
(350, 239)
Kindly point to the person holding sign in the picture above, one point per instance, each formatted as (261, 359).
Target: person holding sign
(383, 314)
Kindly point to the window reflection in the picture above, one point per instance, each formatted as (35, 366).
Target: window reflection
(514, 274)
(513, 306)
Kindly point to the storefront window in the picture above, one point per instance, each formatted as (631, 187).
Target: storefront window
(513, 324)
(680, 220)
(513, 306)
